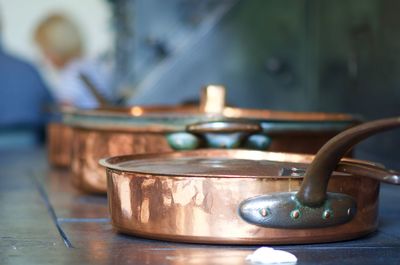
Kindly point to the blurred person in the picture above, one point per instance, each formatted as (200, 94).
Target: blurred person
(79, 81)
(23, 100)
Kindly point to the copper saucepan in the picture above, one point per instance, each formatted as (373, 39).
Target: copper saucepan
(60, 134)
(138, 130)
(249, 197)
(59, 141)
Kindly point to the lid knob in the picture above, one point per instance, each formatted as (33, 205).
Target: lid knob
(212, 99)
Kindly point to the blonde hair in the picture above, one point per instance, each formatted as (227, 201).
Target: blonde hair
(60, 36)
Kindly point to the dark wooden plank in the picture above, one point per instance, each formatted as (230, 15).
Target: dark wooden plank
(26, 227)
(70, 203)
(103, 246)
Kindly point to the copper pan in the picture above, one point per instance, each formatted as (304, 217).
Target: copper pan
(59, 140)
(249, 197)
(60, 133)
(138, 130)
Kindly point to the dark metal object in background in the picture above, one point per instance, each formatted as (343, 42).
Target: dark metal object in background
(125, 53)
(90, 86)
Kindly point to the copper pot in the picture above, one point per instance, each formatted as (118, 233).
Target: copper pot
(137, 130)
(59, 141)
(249, 197)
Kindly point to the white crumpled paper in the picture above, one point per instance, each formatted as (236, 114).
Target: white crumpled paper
(265, 255)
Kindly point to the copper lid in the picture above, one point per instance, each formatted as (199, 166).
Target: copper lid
(211, 108)
(217, 163)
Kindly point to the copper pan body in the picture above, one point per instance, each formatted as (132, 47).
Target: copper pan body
(204, 209)
(91, 145)
(95, 139)
(59, 144)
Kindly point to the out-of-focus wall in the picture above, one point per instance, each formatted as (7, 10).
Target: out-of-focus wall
(20, 17)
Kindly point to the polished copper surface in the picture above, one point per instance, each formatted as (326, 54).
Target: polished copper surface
(59, 141)
(285, 115)
(190, 203)
(185, 111)
(91, 145)
(136, 111)
(210, 163)
(212, 105)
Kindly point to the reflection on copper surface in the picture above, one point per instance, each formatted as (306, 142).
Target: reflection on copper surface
(285, 115)
(123, 193)
(59, 140)
(159, 253)
(208, 256)
(136, 111)
(210, 215)
(213, 162)
(91, 145)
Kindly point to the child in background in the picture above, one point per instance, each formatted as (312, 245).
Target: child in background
(79, 81)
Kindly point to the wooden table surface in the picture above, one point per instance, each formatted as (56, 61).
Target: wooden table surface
(43, 220)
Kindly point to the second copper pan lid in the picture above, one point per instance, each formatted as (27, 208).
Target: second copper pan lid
(211, 108)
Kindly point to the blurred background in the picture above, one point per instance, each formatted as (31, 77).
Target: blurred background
(304, 55)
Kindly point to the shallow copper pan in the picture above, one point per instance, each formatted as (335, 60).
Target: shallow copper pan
(249, 197)
(137, 130)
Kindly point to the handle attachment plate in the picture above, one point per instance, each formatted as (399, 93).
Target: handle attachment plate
(284, 210)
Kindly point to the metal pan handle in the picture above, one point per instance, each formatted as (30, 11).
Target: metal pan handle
(381, 174)
(313, 189)
(220, 134)
(312, 206)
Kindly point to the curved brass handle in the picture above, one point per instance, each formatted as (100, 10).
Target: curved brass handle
(312, 206)
(220, 134)
(312, 192)
(373, 172)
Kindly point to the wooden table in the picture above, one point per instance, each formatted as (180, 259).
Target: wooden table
(43, 220)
